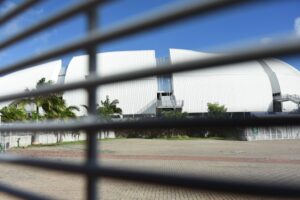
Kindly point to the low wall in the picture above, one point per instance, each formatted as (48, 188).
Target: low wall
(9, 140)
(272, 133)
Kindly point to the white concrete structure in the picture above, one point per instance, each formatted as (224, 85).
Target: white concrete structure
(242, 87)
(135, 97)
(272, 133)
(289, 79)
(256, 86)
(9, 140)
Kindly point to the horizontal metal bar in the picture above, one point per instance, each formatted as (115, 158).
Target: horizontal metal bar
(52, 20)
(11, 190)
(154, 20)
(286, 47)
(17, 10)
(196, 182)
(94, 123)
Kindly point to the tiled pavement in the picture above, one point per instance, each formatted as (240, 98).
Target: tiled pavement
(275, 161)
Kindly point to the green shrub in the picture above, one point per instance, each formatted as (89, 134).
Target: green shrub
(174, 114)
(216, 110)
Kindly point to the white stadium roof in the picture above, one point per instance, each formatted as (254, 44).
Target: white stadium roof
(135, 97)
(243, 87)
(27, 79)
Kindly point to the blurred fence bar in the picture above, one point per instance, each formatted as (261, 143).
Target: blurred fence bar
(94, 37)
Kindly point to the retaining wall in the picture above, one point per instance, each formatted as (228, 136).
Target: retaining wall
(9, 140)
(272, 133)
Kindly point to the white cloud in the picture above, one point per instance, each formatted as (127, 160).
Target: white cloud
(297, 25)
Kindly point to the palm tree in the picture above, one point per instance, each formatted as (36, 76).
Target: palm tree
(68, 112)
(46, 102)
(53, 105)
(58, 109)
(40, 101)
(12, 113)
(109, 108)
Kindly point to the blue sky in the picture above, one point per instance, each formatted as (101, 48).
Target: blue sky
(263, 22)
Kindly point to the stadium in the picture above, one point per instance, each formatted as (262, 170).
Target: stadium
(267, 86)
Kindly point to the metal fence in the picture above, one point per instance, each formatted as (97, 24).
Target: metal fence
(92, 170)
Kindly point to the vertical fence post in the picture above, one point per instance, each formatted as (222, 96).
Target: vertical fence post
(92, 101)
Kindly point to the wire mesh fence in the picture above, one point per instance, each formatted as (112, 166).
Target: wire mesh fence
(91, 124)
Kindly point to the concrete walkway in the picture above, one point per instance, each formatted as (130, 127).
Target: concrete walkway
(274, 161)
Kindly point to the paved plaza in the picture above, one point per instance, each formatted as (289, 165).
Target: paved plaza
(274, 161)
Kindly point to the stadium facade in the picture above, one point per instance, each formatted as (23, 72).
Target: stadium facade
(265, 86)
(268, 85)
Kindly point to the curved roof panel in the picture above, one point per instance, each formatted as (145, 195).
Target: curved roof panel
(27, 78)
(289, 79)
(134, 96)
(240, 87)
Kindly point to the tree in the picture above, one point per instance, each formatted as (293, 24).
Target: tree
(171, 132)
(38, 101)
(53, 105)
(216, 110)
(68, 112)
(109, 108)
(219, 111)
(12, 113)
(55, 108)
